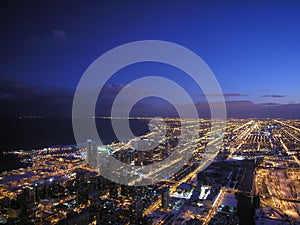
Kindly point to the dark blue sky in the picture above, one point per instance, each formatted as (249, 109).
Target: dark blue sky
(253, 48)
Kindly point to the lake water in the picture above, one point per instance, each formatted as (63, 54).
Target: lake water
(30, 134)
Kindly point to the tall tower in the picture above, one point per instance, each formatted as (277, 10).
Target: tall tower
(165, 197)
(88, 150)
(91, 154)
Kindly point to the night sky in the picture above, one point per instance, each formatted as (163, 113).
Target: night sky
(252, 48)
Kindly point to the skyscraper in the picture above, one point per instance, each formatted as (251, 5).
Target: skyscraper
(165, 197)
(91, 154)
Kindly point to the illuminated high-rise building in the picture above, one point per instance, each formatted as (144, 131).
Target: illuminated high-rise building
(165, 197)
(91, 154)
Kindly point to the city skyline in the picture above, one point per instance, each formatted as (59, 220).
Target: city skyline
(149, 112)
(252, 178)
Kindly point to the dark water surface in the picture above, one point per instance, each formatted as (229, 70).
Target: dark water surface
(9, 162)
(27, 134)
(245, 208)
(40, 133)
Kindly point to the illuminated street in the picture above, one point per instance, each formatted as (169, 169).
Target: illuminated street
(59, 182)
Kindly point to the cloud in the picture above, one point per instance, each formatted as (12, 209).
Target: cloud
(59, 35)
(248, 109)
(111, 90)
(234, 95)
(55, 36)
(4, 95)
(19, 98)
(225, 95)
(274, 96)
(270, 104)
